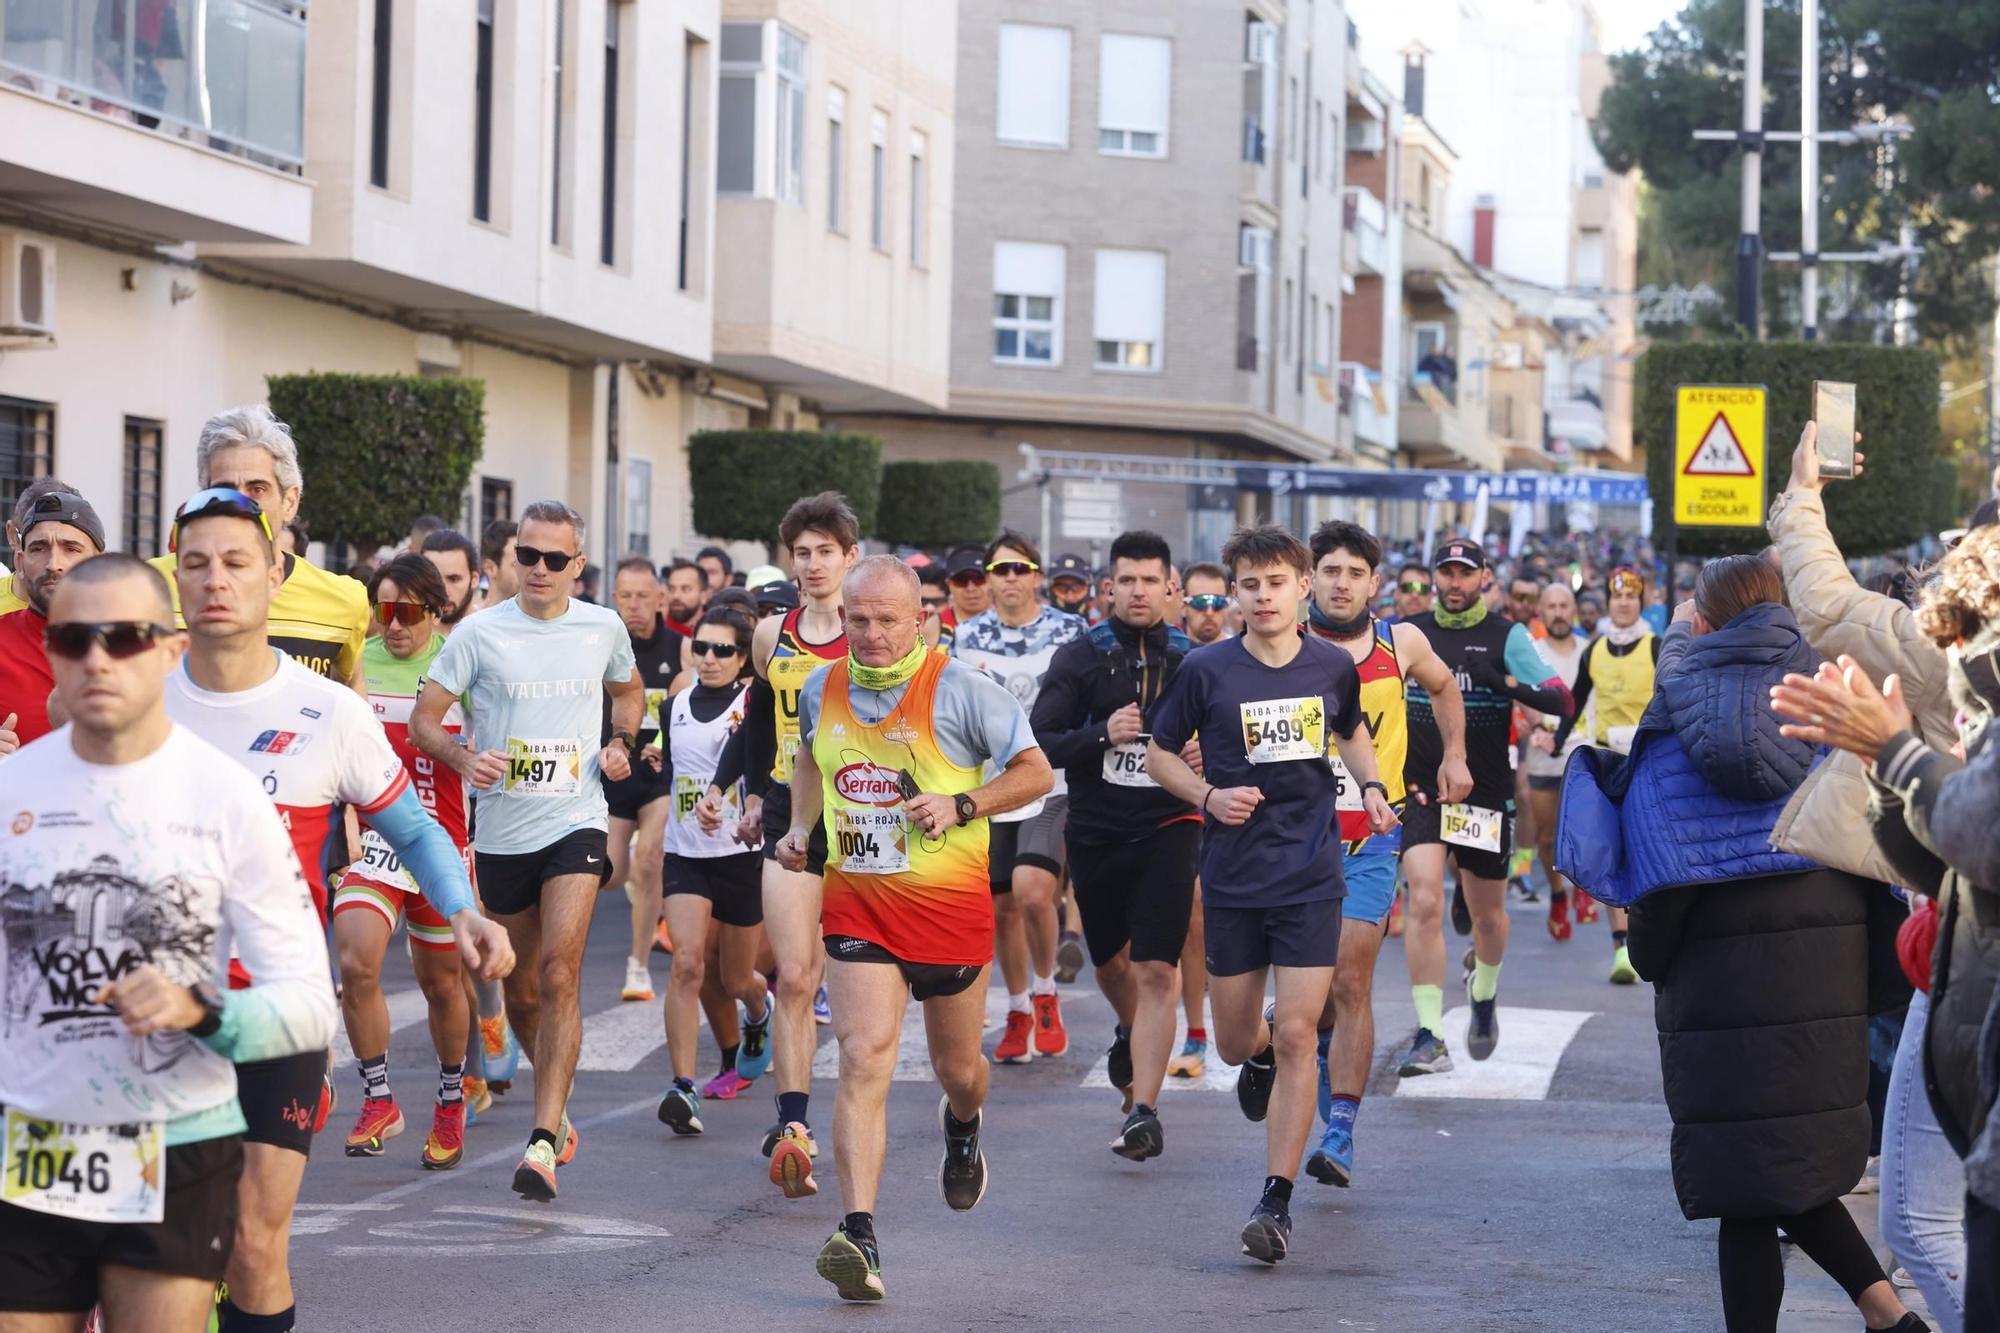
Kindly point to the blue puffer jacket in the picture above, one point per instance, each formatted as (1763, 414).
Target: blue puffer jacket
(1708, 774)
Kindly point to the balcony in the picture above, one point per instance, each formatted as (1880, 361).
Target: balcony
(1579, 421)
(1361, 394)
(1366, 221)
(182, 121)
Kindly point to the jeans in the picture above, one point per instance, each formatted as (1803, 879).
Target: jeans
(1923, 1182)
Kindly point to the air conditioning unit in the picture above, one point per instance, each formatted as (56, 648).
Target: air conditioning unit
(27, 286)
(1260, 43)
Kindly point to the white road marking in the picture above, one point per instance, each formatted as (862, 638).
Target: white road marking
(317, 1219)
(913, 1052)
(616, 1040)
(1523, 1066)
(1215, 1075)
(406, 1009)
(476, 1230)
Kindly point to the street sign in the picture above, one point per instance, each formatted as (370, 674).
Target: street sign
(1719, 455)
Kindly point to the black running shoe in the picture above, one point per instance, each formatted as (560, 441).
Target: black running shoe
(1069, 957)
(962, 1174)
(1118, 1060)
(1142, 1136)
(1461, 915)
(1484, 1032)
(1267, 1236)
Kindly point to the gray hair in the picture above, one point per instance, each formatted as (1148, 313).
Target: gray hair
(887, 568)
(554, 511)
(250, 427)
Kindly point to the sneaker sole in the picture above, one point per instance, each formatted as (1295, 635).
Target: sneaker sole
(1264, 1242)
(848, 1272)
(1418, 1071)
(791, 1170)
(435, 1164)
(1148, 1149)
(1323, 1168)
(1058, 1053)
(1187, 1071)
(374, 1147)
(675, 1116)
(529, 1183)
(632, 997)
(568, 1154)
(1025, 1058)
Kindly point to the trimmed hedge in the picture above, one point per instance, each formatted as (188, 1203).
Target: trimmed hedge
(744, 480)
(1894, 503)
(376, 451)
(939, 504)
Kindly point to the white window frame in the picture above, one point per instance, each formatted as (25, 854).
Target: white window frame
(1129, 356)
(1061, 140)
(836, 164)
(789, 86)
(919, 199)
(1021, 323)
(1128, 140)
(878, 181)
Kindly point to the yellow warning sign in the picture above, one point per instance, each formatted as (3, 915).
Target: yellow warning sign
(1719, 455)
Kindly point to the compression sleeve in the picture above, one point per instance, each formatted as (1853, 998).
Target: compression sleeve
(1579, 694)
(1536, 683)
(760, 720)
(426, 851)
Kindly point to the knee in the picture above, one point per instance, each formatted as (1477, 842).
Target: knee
(1296, 1038)
(438, 985)
(558, 975)
(359, 965)
(260, 1243)
(689, 968)
(796, 980)
(958, 1069)
(522, 990)
(1230, 1048)
(1157, 979)
(1352, 989)
(650, 864)
(867, 1058)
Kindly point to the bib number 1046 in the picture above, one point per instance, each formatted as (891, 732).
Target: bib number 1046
(96, 1173)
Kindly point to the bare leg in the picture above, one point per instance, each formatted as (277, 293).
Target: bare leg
(1302, 993)
(523, 986)
(1423, 914)
(952, 1028)
(1115, 980)
(1237, 1004)
(565, 919)
(1353, 1010)
(868, 1004)
(1194, 967)
(361, 938)
(618, 845)
(1010, 943)
(1488, 900)
(688, 922)
(259, 1275)
(643, 888)
(25, 1321)
(1152, 1024)
(136, 1299)
(724, 1024)
(738, 970)
(1035, 898)
(791, 918)
(439, 977)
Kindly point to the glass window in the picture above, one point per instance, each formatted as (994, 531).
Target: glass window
(1027, 300)
(1134, 75)
(27, 446)
(836, 155)
(878, 190)
(1034, 85)
(143, 461)
(919, 200)
(791, 116)
(1128, 317)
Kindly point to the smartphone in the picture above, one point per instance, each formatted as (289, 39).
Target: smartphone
(1833, 409)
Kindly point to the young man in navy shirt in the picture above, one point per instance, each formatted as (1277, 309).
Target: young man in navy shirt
(1265, 706)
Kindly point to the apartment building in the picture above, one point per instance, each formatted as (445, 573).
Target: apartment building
(1149, 256)
(1371, 324)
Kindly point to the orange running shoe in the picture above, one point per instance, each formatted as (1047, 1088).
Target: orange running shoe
(478, 1099)
(445, 1147)
(1586, 909)
(535, 1177)
(568, 1137)
(329, 1102)
(1396, 916)
(381, 1120)
(662, 942)
(1558, 915)
(791, 1162)
(1051, 1038)
(1016, 1045)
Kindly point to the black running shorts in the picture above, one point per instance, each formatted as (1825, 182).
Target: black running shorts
(512, 882)
(778, 822)
(733, 885)
(628, 795)
(1421, 829)
(280, 1099)
(1138, 893)
(927, 981)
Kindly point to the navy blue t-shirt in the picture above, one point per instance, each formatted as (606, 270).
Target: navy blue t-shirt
(1268, 728)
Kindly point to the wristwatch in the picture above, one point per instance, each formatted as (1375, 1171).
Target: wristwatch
(1378, 787)
(968, 809)
(211, 1012)
(630, 741)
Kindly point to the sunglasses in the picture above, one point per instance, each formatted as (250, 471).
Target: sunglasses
(1013, 569)
(218, 501)
(72, 639)
(968, 579)
(703, 648)
(1413, 586)
(401, 613)
(1207, 601)
(554, 561)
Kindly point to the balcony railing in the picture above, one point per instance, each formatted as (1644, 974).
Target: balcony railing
(227, 74)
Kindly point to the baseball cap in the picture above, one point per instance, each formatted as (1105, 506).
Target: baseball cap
(759, 575)
(781, 593)
(1070, 566)
(61, 507)
(965, 560)
(1460, 551)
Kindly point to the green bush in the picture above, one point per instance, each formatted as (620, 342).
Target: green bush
(1896, 405)
(939, 504)
(745, 480)
(376, 451)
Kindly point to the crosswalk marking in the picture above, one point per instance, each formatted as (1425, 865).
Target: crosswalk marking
(617, 1039)
(406, 1009)
(1532, 1042)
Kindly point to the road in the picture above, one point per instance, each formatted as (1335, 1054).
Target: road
(1529, 1192)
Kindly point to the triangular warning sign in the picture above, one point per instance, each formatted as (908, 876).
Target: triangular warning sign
(1720, 453)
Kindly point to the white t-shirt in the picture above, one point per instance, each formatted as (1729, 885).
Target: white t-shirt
(1566, 665)
(169, 860)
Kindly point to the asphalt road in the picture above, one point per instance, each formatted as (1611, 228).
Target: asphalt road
(1529, 1192)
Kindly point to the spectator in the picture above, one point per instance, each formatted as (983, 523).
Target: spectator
(425, 525)
(716, 566)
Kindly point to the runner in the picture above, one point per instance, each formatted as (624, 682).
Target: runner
(457, 562)
(138, 852)
(499, 572)
(1205, 616)
(1615, 681)
(264, 708)
(1132, 844)
(1346, 577)
(895, 741)
(1265, 706)
(638, 803)
(377, 892)
(936, 592)
(1495, 664)
(14, 588)
(535, 670)
(1014, 643)
(1070, 578)
(685, 595)
(710, 876)
(53, 533)
(1205, 594)
(822, 537)
(1562, 647)
(716, 567)
(965, 576)
(1414, 592)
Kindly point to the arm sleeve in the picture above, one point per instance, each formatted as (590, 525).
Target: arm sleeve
(760, 754)
(1535, 682)
(1916, 865)
(426, 849)
(1674, 645)
(1580, 692)
(1061, 718)
(268, 915)
(1947, 806)
(734, 761)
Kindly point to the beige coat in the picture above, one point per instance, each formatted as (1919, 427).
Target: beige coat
(1827, 818)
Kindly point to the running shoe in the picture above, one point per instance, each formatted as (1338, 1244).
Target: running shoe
(1461, 913)
(1622, 971)
(1396, 917)
(1253, 1081)
(822, 1008)
(478, 1099)
(1323, 1100)
(503, 1053)
(445, 1147)
(1559, 929)
(535, 1177)
(1427, 1055)
(1484, 1032)
(791, 1161)
(854, 1267)
(1267, 1236)
(1118, 1058)
(1069, 957)
(1332, 1163)
(1051, 1037)
(1192, 1062)
(1524, 889)
(754, 1060)
(380, 1120)
(1586, 909)
(680, 1109)
(329, 1102)
(724, 1086)
(1142, 1136)
(638, 983)
(962, 1173)
(662, 942)
(1017, 1045)
(1466, 966)
(567, 1133)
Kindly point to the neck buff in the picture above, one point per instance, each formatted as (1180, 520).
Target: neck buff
(1465, 619)
(1629, 635)
(887, 677)
(1338, 629)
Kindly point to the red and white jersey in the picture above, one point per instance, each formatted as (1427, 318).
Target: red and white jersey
(311, 743)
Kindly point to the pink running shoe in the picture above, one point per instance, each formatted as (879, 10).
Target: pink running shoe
(724, 1086)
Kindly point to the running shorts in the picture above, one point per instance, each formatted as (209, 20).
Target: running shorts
(1138, 893)
(1244, 939)
(50, 1264)
(280, 1100)
(512, 882)
(1036, 841)
(733, 885)
(1371, 888)
(1421, 829)
(927, 981)
(628, 795)
(778, 822)
(360, 891)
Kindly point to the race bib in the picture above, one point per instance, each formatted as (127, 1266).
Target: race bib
(1346, 791)
(689, 788)
(379, 862)
(92, 1173)
(869, 841)
(1471, 826)
(543, 768)
(1125, 765)
(656, 702)
(1276, 730)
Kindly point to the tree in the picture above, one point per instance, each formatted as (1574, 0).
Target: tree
(744, 480)
(1932, 62)
(939, 504)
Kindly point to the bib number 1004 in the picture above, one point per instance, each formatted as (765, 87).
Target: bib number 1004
(855, 845)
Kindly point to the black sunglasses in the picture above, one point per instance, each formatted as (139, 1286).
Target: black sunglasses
(967, 579)
(72, 639)
(703, 648)
(554, 561)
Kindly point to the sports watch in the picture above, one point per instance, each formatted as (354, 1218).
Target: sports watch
(1378, 787)
(968, 809)
(211, 1012)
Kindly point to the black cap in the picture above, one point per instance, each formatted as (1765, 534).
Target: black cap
(62, 507)
(785, 594)
(965, 560)
(1071, 566)
(1460, 551)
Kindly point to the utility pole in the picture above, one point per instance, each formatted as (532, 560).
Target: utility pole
(1749, 239)
(1809, 170)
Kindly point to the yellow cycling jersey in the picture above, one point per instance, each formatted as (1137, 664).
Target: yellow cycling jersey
(317, 617)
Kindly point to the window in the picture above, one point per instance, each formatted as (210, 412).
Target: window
(919, 199)
(607, 239)
(1034, 86)
(694, 68)
(1292, 122)
(836, 155)
(378, 125)
(791, 117)
(143, 484)
(27, 446)
(1027, 303)
(736, 108)
(1253, 293)
(639, 505)
(1285, 321)
(1134, 75)
(482, 114)
(1590, 259)
(1318, 159)
(496, 501)
(1130, 313)
(878, 182)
